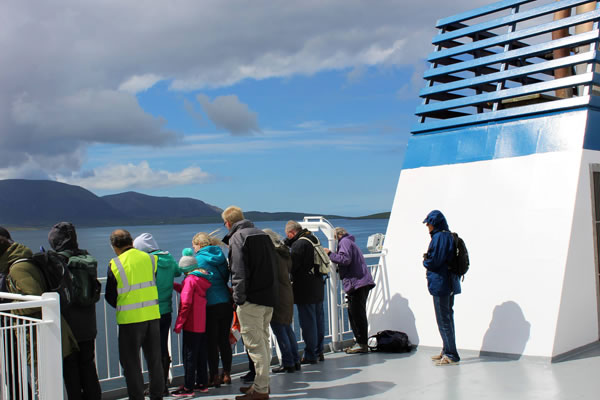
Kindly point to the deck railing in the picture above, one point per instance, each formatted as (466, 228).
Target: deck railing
(30, 369)
(511, 59)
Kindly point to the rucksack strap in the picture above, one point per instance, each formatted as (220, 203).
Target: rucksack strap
(311, 242)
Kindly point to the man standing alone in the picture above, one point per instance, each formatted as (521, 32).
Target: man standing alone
(131, 289)
(253, 262)
(308, 287)
(442, 284)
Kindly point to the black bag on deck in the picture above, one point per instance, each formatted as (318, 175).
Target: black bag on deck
(84, 273)
(389, 341)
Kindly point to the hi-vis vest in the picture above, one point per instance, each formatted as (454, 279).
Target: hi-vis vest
(137, 296)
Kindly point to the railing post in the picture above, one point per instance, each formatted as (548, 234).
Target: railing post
(50, 355)
(314, 224)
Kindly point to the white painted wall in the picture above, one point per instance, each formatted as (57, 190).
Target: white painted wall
(516, 216)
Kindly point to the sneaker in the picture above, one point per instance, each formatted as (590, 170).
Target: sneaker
(437, 357)
(358, 348)
(446, 361)
(183, 392)
(200, 388)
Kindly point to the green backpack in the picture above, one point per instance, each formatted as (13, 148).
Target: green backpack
(84, 272)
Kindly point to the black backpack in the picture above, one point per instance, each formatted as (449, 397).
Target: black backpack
(389, 341)
(56, 275)
(84, 274)
(459, 265)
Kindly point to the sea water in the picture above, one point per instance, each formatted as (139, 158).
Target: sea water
(174, 238)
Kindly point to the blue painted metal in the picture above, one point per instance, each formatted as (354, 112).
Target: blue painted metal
(518, 35)
(475, 68)
(510, 19)
(481, 11)
(533, 50)
(513, 73)
(565, 104)
(510, 93)
(511, 138)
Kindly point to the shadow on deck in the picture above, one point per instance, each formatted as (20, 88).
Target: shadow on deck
(414, 376)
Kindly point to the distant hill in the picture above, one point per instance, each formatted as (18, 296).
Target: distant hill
(139, 205)
(42, 203)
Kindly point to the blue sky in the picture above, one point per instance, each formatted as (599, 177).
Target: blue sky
(281, 106)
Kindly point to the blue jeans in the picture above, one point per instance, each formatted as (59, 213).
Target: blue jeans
(286, 340)
(313, 329)
(444, 315)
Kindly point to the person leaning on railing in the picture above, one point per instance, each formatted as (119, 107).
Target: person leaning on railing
(357, 282)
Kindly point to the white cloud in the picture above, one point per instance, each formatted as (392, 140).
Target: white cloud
(227, 112)
(71, 69)
(139, 83)
(119, 177)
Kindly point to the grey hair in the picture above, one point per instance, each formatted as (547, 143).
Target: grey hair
(292, 226)
(275, 238)
(339, 231)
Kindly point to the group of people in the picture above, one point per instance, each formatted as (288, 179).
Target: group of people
(260, 279)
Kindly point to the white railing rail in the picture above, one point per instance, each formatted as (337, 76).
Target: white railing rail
(30, 368)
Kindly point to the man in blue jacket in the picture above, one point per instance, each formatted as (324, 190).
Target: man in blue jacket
(442, 284)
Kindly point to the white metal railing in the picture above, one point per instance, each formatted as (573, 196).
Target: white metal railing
(27, 371)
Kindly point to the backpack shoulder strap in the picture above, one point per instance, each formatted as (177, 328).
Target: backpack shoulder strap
(310, 241)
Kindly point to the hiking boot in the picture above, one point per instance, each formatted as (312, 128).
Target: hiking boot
(226, 378)
(358, 348)
(446, 361)
(437, 357)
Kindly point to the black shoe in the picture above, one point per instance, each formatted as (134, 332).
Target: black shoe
(298, 366)
(281, 368)
(321, 357)
(305, 361)
(248, 378)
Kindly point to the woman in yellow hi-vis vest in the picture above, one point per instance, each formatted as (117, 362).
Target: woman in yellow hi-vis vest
(131, 289)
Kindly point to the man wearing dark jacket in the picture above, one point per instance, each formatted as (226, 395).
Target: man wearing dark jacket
(79, 369)
(308, 287)
(253, 264)
(442, 284)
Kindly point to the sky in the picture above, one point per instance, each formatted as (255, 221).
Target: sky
(301, 106)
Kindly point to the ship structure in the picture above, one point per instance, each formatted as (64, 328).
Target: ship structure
(507, 146)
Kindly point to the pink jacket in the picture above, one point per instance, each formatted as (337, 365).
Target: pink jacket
(192, 304)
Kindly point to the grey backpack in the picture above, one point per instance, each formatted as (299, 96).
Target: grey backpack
(322, 261)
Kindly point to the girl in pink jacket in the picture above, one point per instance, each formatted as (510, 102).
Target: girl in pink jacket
(192, 320)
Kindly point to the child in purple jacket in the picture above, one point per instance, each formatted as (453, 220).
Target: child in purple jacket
(192, 320)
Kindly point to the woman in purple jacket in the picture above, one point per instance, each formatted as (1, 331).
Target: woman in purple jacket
(357, 282)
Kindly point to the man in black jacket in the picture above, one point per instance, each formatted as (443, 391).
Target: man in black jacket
(253, 264)
(307, 285)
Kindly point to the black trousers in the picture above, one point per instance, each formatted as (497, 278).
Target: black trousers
(165, 326)
(80, 375)
(218, 326)
(194, 359)
(132, 337)
(357, 314)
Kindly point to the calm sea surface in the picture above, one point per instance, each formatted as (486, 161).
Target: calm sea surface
(174, 238)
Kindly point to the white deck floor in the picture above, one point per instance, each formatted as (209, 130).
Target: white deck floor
(413, 376)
